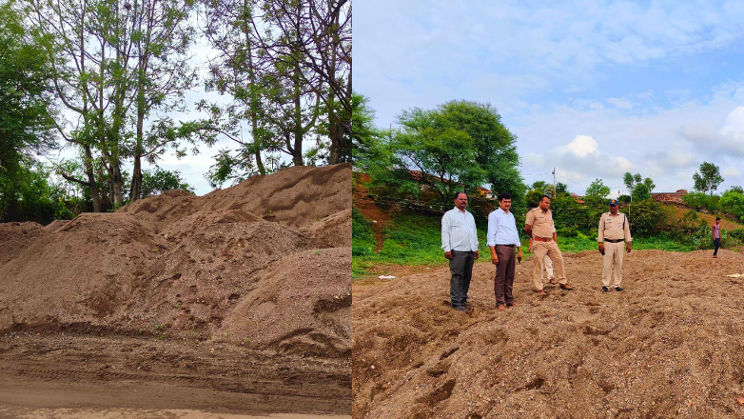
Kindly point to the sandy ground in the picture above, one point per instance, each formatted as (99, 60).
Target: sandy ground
(236, 302)
(670, 345)
(73, 375)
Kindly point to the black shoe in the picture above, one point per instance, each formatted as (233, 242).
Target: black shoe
(605, 289)
(618, 289)
(460, 308)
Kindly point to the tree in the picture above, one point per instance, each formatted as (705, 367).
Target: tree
(639, 188)
(459, 144)
(161, 36)
(708, 179)
(631, 180)
(115, 62)
(597, 189)
(494, 145)
(443, 155)
(288, 67)
(159, 180)
(26, 121)
(732, 202)
(363, 133)
(641, 192)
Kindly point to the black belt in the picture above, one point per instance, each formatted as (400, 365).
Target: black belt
(507, 245)
(614, 241)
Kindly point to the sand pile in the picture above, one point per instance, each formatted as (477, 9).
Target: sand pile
(14, 237)
(670, 345)
(196, 267)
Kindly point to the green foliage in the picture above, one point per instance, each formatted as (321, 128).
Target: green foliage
(708, 179)
(737, 234)
(364, 135)
(413, 239)
(646, 217)
(160, 180)
(25, 121)
(33, 198)
(640, 189)
(532, 198)
(459, 145)
(732, 202)
(597, 189)
(641, 192)
(363, 240)
(702, 202)
(442, 152)
(569, 216)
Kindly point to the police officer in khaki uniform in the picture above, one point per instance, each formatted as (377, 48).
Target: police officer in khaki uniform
(539, 225)
(613, 231)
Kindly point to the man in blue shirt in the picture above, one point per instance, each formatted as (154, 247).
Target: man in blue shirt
(502, 238)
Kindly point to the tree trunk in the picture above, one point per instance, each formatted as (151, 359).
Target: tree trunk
(94, 191)
(298, 131)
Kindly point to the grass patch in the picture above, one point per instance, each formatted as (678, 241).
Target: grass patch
(412, 239)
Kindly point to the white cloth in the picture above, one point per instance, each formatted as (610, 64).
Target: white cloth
(502, 228)
(458, 231)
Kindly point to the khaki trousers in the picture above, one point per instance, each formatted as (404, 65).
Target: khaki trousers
(540, 249)
(612, 265)
(548, 266)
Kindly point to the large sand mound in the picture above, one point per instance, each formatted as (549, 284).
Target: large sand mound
(670, 345)
(14, 237)
(194, 267)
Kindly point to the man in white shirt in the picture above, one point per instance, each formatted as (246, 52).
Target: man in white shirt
(502, 238)
(460, 245)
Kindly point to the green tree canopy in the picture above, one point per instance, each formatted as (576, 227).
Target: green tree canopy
(732, 202)
(25, 117)
(159, 180)
(459, 144)
(597, 189)
(640, 189)
(708, 179)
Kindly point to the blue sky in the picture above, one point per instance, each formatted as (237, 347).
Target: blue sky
(592, 88)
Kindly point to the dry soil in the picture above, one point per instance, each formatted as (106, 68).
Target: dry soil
(670, 345)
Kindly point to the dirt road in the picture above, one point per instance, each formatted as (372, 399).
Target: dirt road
(71, 374)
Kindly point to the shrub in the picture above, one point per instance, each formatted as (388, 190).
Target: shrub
(732, 202)
(646, 217)
(362, 236)
(702, 202)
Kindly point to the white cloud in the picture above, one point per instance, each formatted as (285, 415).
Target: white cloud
(582, 146)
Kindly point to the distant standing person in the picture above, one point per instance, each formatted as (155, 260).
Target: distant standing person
(613, 230)
(539, 225)
(502, 238)
(716, 236)
(460, 245)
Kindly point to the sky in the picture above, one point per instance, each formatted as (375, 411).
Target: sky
(593, 89)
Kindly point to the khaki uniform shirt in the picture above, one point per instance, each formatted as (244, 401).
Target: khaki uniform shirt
(541, 222)
(613, 227)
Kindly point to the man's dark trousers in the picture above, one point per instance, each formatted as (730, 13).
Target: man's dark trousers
(717, 244)
(461, 267)
(504, 280)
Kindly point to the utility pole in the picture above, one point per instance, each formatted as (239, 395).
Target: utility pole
(554, 190)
